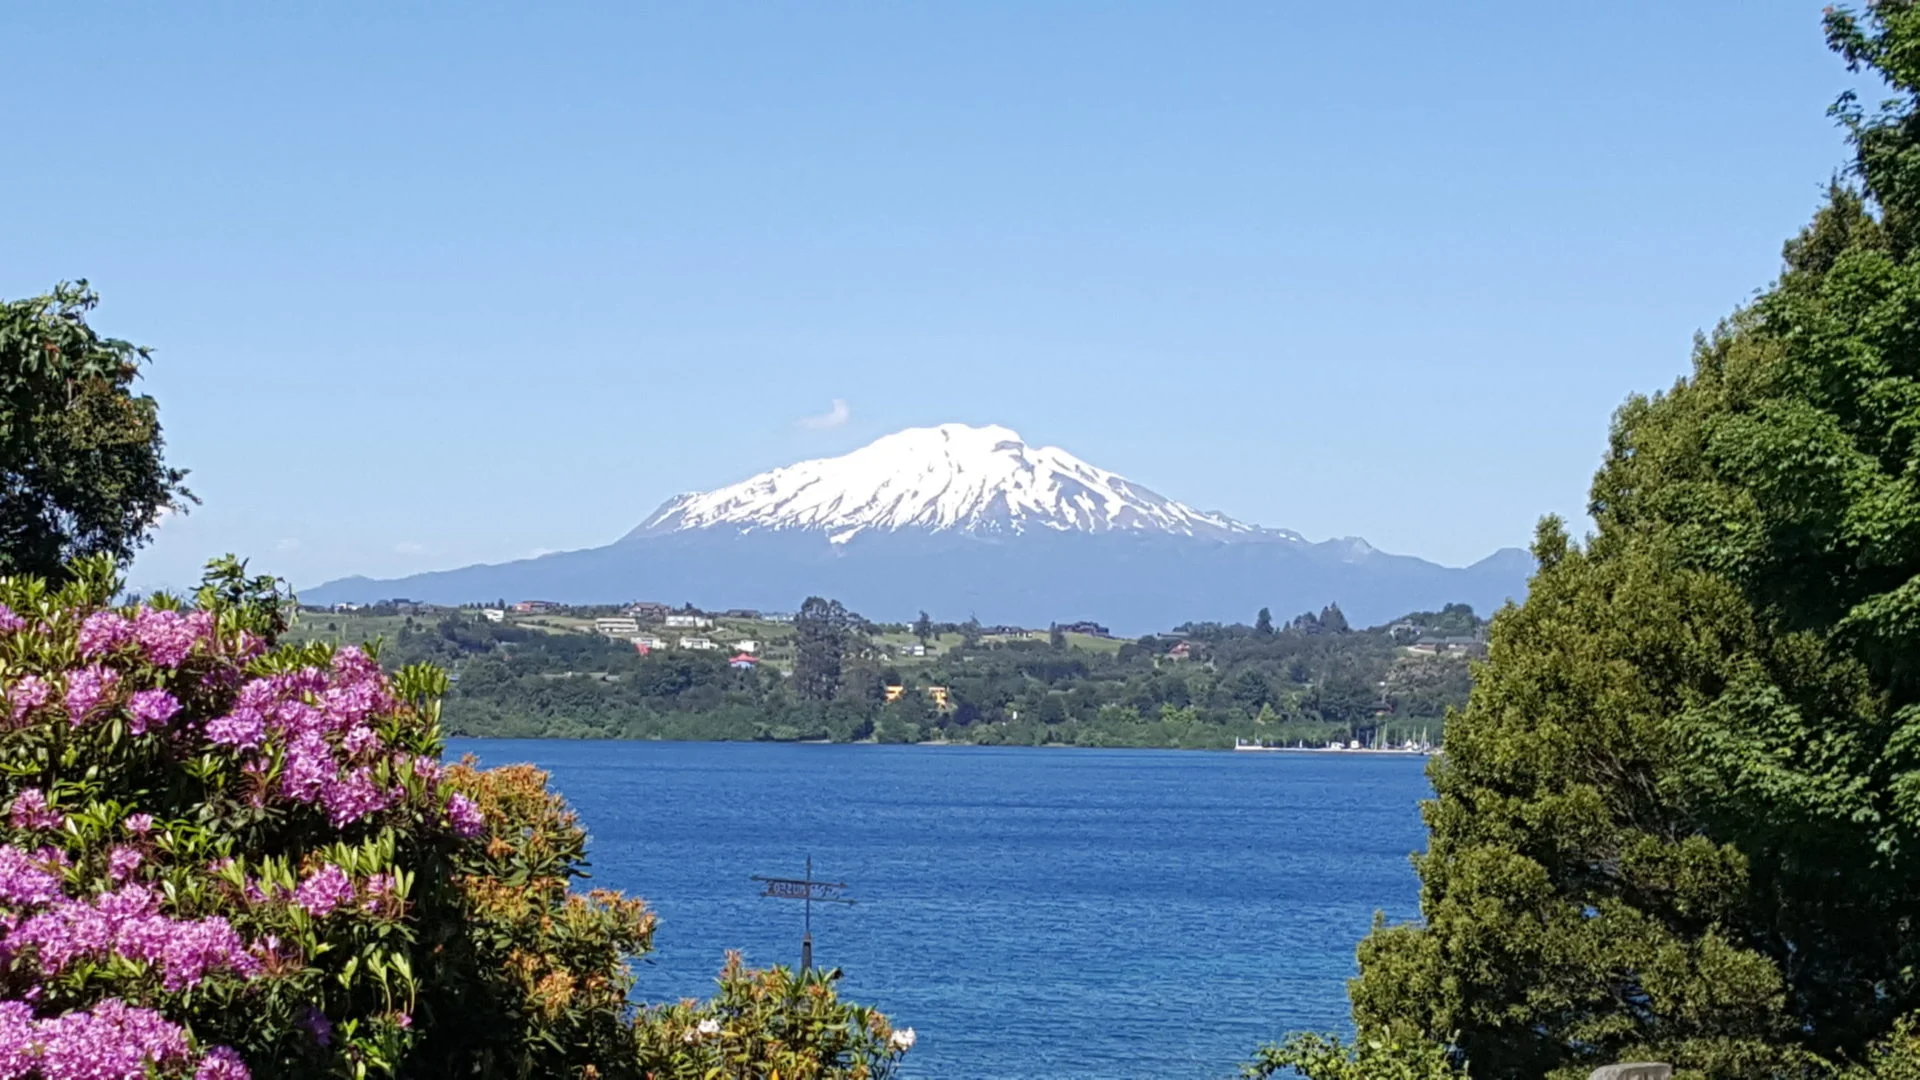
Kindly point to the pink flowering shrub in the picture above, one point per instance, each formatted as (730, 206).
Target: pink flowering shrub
(211, 850)
(223, 859)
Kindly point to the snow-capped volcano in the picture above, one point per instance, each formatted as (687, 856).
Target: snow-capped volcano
(953, 477)
(955, 520)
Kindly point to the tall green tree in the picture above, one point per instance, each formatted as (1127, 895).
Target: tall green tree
(1056, 638)
(1333, 620)
(923, 628)
(1680, 816)
(822, 630)
(1263, 622)
(81, 464)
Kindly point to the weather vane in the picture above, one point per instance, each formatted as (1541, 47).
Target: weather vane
(809, 892)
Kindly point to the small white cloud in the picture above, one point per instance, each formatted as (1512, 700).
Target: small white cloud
(409, 547)
(832, 418)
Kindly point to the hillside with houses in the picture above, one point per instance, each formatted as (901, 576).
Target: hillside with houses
(651, 670)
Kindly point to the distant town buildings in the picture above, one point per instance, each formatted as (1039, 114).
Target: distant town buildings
(647, 644)
(1449, 646)
(616, 626)
(742, 662)
(937, 694)
(1018, 633)
(1180, 651)
(741, 613)
(493, 614)
(534, 607)
(699, 644)
(685, 621)
(747, 646)
(648, 610)
(1086, 626)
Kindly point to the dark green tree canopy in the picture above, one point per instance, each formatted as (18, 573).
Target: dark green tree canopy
(1680, 817)
(81, 467)
(822, 630)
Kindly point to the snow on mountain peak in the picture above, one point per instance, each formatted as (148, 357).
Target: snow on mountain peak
(950, 477)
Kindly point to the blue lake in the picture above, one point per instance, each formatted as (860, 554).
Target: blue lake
(1032, 914)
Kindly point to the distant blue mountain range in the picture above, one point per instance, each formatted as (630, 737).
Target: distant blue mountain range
(960, 521)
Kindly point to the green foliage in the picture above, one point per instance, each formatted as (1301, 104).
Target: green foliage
(229, 843)
(822, 632)
(1896, 1057)
(766, 1024)
(447, 941)
(1680, 817)
(1376, 1057)
(81, 470)
(1291, 685)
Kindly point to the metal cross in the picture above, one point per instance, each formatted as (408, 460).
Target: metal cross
(809, 892)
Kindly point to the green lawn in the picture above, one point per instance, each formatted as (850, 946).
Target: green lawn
(349, 627)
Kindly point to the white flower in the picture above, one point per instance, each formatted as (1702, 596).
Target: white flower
(902, 1039)
(709, 1026)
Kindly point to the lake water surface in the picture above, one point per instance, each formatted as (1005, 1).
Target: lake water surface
(1032, 914)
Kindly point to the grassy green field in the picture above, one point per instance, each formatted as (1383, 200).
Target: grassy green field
(347, 627)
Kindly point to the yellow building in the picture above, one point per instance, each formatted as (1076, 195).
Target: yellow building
(939, 696)
(894, 692)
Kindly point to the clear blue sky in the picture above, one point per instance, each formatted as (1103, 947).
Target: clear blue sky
(435, 284)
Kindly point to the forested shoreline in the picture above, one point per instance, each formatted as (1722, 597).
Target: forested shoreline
(1313, 680)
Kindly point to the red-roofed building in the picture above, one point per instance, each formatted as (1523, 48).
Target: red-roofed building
(743, 662)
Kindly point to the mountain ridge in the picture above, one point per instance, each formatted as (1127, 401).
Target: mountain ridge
(957, 519)
(947, 477)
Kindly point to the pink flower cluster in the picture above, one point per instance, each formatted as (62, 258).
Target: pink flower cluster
(25, 881)
(128, 923)
(324, 890)
(110, 1041)
(29, 693)
(316, 737)
(89, 688)
(322, 723)
(30, 810)
(166, 638)
(151, 709)
(465, 817)
(122, 861)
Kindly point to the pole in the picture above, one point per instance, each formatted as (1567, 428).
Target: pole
(807, 891)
